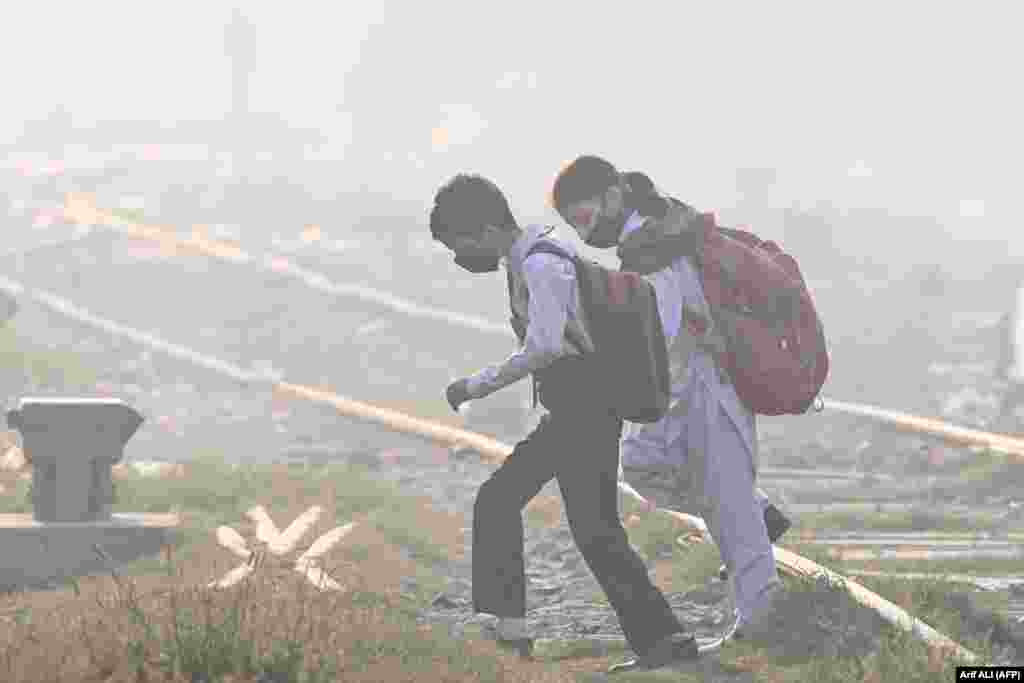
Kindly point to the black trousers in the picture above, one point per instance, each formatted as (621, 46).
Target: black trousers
(577, 442)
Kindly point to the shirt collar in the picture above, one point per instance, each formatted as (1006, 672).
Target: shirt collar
(531, 233)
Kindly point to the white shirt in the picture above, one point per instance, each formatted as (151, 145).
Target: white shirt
(553, 309)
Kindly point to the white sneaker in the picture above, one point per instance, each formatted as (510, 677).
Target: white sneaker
(765, 622)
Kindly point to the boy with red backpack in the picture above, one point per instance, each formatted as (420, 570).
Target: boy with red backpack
(729, 358)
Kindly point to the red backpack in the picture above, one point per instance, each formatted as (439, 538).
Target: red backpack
(774, 350)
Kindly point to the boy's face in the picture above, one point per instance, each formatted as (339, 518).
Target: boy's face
(476, 251)
(583, 215)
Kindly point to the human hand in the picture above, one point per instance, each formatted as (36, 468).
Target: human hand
(457, 393)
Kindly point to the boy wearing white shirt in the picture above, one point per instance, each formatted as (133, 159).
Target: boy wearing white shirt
(576, 442)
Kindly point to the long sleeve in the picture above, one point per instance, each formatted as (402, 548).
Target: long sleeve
(551, 282)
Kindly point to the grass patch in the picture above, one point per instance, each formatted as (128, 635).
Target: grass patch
(979, 567)
(133, 215)
(40, 367)
(910, 520)
(216, 492)
(1002, 478)
(897, 656)
(156, 619)
(900, 659)
(653, 535)
(659, 676)
(980, 466)
(15, 498)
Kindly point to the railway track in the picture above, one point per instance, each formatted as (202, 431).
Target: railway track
(266, 297)
(273, 302)
(405, 260)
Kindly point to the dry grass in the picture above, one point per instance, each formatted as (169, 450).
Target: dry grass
(28, 363)
(136, 630)
(156, 621)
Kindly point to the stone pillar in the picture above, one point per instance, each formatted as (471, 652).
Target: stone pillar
(72, 444)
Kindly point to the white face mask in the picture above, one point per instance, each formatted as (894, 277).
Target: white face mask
(583, 216)
(599, 220)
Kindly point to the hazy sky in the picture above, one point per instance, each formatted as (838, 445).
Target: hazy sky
(908, 105)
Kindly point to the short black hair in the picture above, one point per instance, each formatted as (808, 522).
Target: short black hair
(589, 176)
(465, 204)
(644, 197)
(586, 177)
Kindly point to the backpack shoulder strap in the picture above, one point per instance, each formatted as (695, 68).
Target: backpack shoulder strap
(543, 246)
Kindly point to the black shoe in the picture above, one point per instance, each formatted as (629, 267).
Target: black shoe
(672, 648)
(521, 646)
(776, 523)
